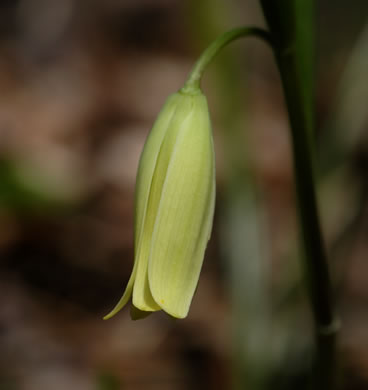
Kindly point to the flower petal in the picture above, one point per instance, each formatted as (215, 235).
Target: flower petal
(147, 164)
(126, 296)
(146, 169)
(142, 298)
(184, 218)
(136, 314)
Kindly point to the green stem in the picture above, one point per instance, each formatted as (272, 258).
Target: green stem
(194, 78)
(319, 283)
(291, 26)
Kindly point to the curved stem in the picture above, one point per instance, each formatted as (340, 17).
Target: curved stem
(194, 79)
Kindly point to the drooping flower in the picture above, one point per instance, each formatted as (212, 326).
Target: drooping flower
(174, 206)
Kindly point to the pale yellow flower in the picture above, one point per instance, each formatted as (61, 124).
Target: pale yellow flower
(174, 205)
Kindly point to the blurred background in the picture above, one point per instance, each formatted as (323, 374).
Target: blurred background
(81, 83)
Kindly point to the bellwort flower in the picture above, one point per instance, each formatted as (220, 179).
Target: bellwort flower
(174, 206)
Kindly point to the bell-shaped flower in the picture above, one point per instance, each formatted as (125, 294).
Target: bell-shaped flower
(174, 206)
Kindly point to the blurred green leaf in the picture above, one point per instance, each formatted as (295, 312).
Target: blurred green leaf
(27, 191)
(108, 381)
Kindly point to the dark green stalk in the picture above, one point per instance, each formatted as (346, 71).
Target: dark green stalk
(291, 27)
